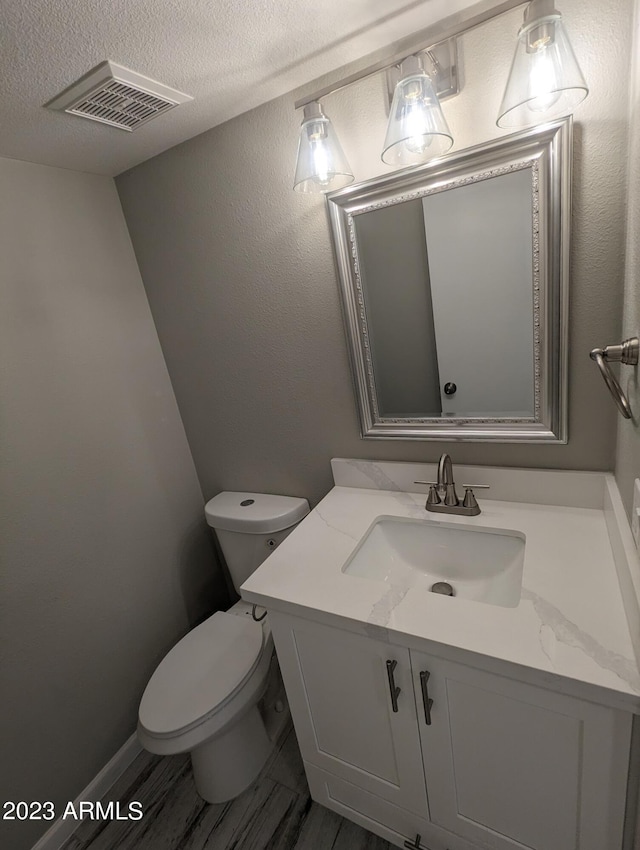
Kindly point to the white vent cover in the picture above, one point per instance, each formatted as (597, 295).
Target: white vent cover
(117, 96)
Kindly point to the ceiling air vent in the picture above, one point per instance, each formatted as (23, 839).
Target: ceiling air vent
(117, 96)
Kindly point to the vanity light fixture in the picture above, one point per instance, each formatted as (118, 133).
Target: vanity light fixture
(321, 163)
(417, 130)
(545, 81)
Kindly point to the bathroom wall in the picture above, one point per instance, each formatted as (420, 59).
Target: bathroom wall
(393, 247)
(240, 276)
(628, 443)
(105, 556)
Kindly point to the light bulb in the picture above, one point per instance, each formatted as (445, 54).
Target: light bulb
(410, 107)
(321, 164)
(544, 79)
(417, 140)
(417, 130)
(415, 106)
(319, 154)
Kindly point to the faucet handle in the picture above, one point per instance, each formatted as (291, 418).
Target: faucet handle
(470, 500)
(434, 497)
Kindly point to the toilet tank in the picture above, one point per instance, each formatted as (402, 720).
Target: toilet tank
(249, 526)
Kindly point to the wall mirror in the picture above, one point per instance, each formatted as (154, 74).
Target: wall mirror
(454, 284)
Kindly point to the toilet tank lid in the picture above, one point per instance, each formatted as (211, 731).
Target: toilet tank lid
(254, 513)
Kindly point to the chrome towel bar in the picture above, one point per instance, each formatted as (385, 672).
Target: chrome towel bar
(626, 352)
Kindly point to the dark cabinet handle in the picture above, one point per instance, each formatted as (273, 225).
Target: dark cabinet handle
(395, 692)
(450, 388)
(413, 845)
(424, 679)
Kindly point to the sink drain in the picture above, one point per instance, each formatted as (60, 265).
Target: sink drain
(443, 587)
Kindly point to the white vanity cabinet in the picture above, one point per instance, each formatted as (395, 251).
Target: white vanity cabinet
(509, 765)
(406, 743)
(338, 688)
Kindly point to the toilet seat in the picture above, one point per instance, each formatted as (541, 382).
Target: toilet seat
(201, 674)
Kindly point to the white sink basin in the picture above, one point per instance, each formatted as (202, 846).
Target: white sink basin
(482, 564)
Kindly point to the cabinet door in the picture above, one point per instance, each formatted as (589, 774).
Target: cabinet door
(509, 765)
(346, 721)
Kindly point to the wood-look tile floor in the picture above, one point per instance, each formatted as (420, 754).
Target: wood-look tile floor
(275, 813)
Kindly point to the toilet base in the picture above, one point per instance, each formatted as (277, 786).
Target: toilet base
(226, 765)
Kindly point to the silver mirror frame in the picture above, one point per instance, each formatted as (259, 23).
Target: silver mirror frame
(546, 151)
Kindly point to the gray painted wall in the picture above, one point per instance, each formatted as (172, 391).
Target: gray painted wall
(240, 276)
(628, 444)
(105, 556)
(392, 250)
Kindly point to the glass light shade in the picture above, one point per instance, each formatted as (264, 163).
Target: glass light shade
(417, 130)
(321, 164)
(545, 81)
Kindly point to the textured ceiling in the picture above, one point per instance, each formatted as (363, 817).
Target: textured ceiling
(230, 55)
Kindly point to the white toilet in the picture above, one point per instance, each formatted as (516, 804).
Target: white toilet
(218, 693)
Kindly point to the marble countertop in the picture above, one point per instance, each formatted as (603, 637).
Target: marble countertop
(568, 632)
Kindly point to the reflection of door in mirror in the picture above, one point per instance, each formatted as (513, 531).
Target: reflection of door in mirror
(454, 309)
(481, 271)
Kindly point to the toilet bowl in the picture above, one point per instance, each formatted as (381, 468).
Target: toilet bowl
(204, 698)
(218, 693)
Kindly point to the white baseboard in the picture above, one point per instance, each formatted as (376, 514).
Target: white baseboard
(61, 830)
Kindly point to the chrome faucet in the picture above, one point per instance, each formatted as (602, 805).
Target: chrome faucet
(442, 496)
(445, 483)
